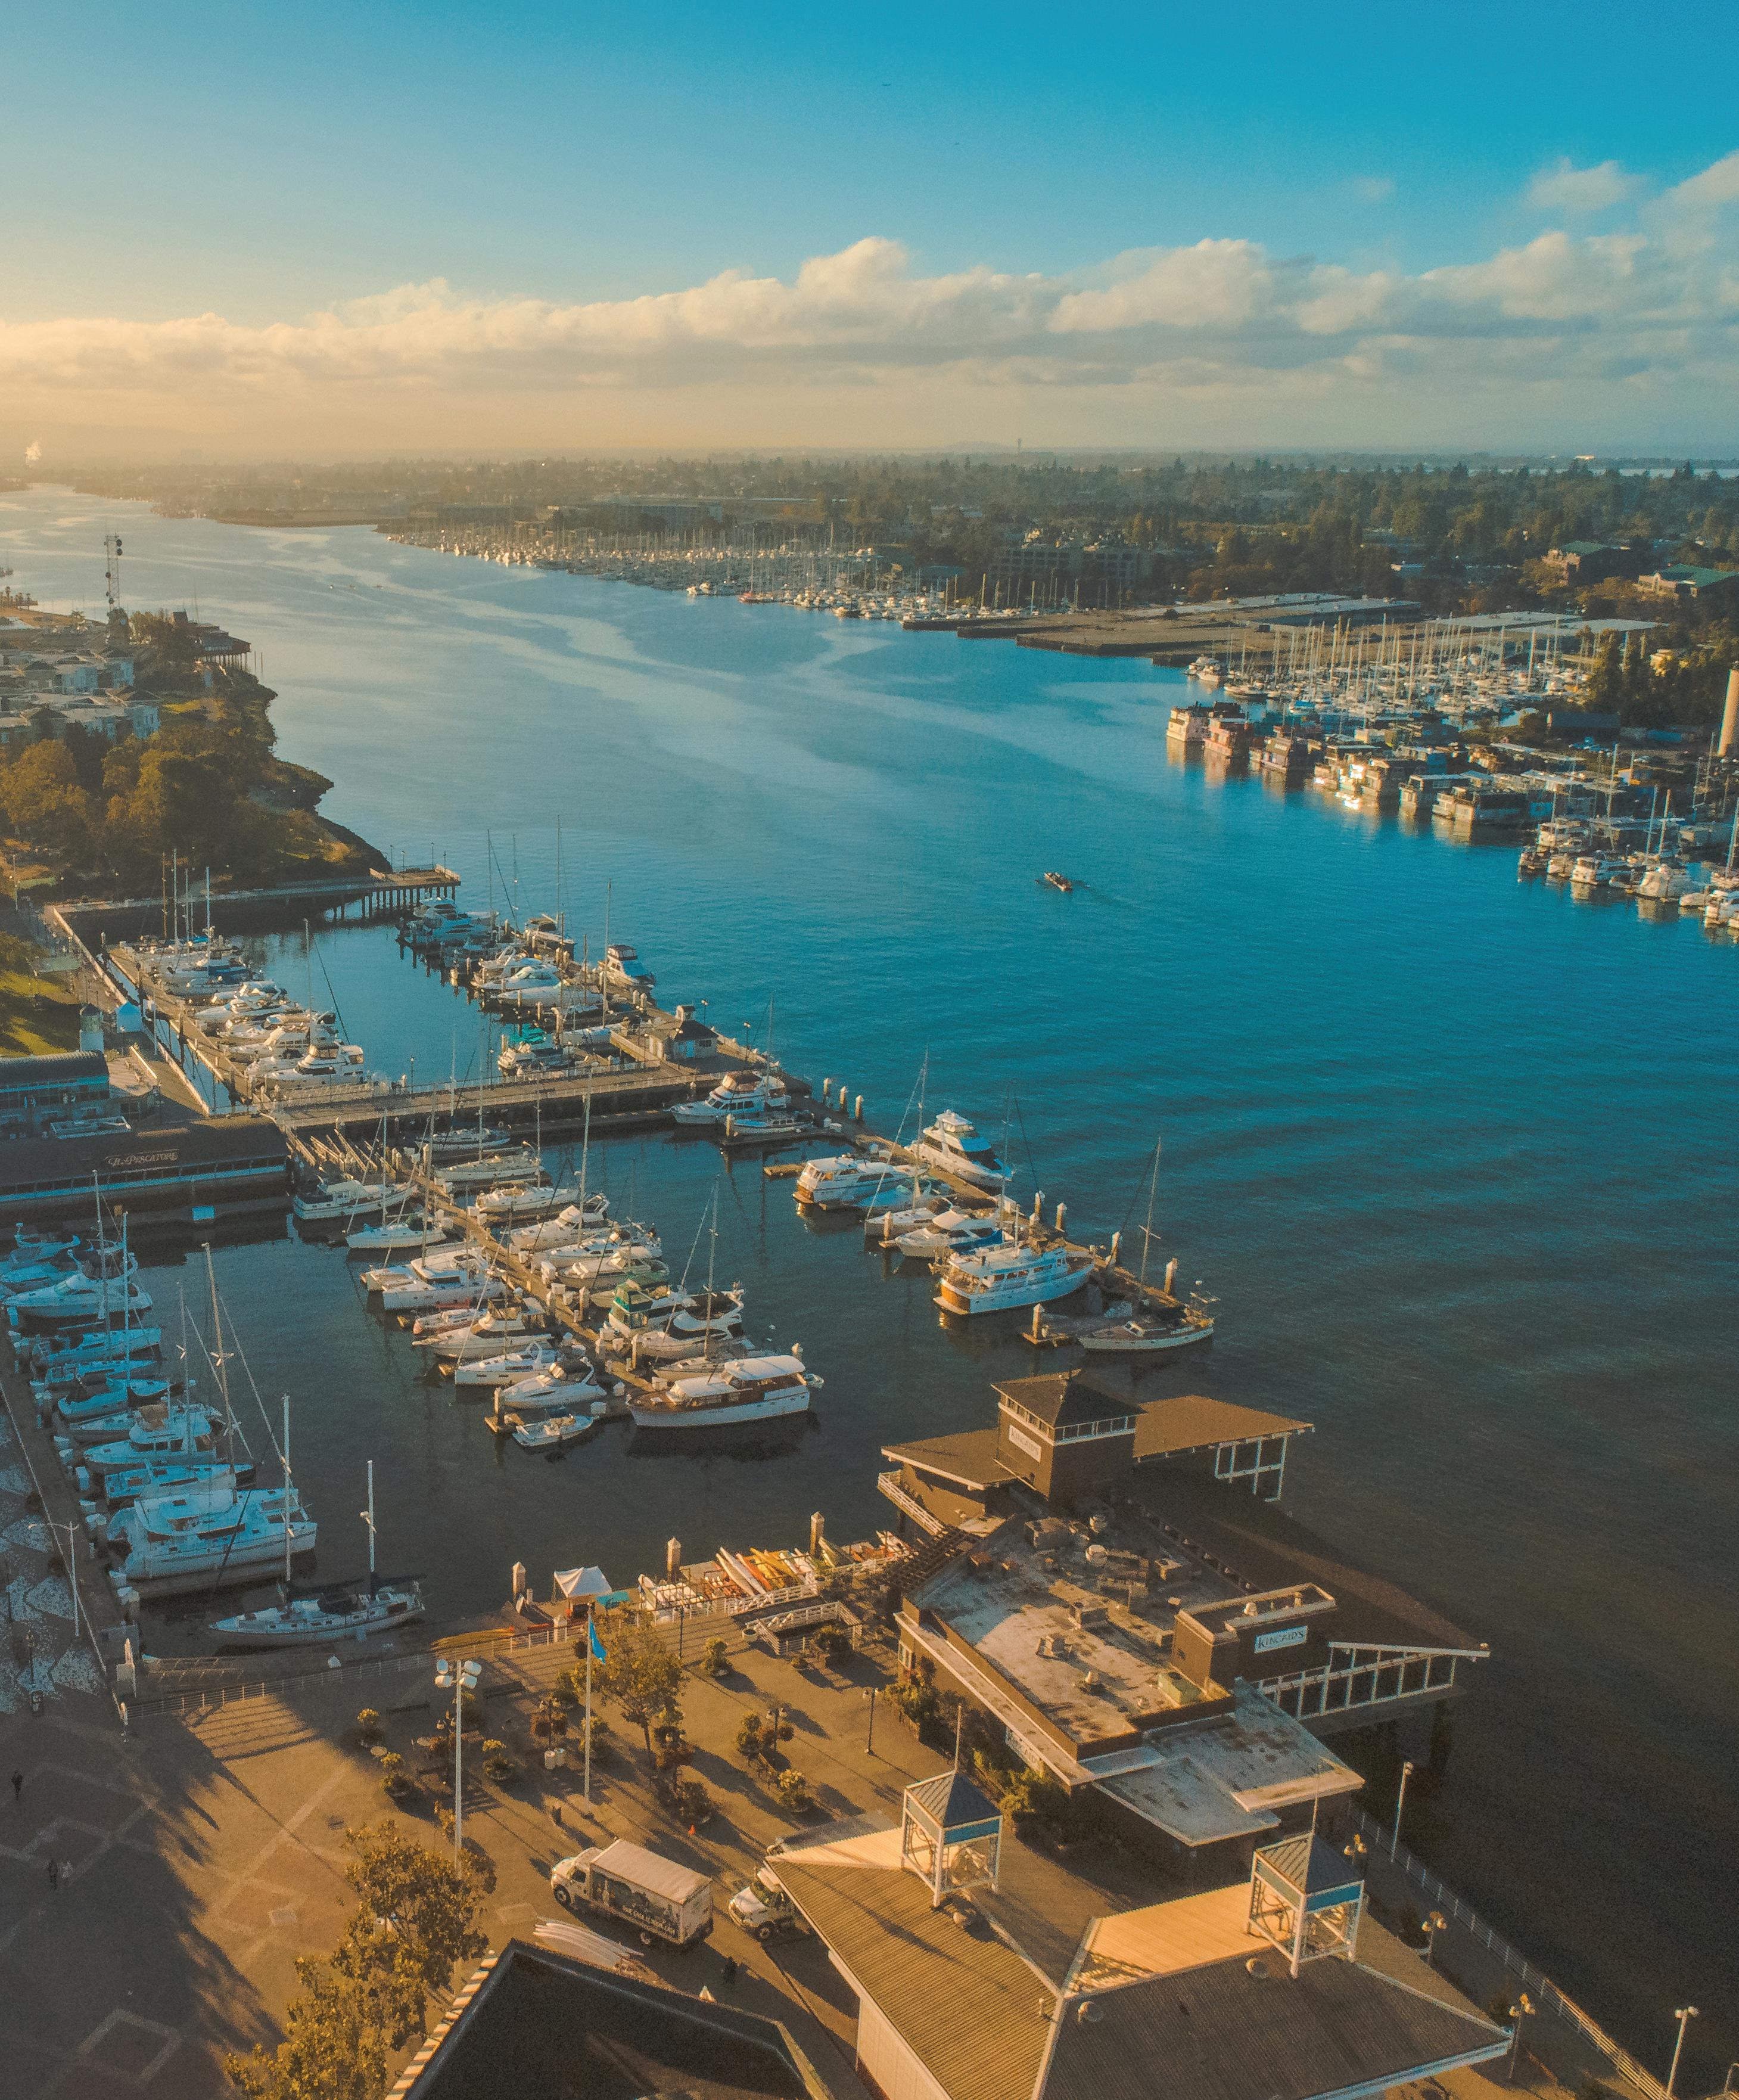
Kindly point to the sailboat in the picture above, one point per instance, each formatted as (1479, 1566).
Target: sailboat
(310, 1614)
(1146, 1332)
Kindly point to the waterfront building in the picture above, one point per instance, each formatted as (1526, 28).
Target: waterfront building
(983, 1972)
(185, 1171)
(38, 1094)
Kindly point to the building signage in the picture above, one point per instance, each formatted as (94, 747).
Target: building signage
(1282, 1637)
(1032, 1449)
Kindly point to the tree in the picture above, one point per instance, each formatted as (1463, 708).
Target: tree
(44, 801)
(639, 1674)
(333, 2047)
(430, 1904)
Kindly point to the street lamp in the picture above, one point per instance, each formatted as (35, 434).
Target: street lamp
(459, 1679)
(1518, 2012)
(71, 1533)
(869, 1693)
(1394, 1835)
(1434, 1925)
(1684, 2016)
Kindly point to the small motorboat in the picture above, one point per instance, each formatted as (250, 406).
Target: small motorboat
(1058, 881)
(554, 1432)
(1142, 1334)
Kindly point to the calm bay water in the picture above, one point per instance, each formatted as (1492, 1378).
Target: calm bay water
(1455, 1153)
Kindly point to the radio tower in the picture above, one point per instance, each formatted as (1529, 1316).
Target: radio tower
(117, 618)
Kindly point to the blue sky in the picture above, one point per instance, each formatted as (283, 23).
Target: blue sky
(265, 165)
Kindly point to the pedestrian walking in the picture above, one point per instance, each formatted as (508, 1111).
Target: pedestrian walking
(53, 1874)
(18, 1786)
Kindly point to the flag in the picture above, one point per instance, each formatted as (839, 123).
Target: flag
(597, 1646)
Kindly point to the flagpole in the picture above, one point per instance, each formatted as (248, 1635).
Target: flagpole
(587, 1788)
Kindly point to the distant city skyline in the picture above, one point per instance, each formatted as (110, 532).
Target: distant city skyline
(377, 229)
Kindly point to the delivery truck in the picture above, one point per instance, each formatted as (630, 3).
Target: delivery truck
(660, 1899)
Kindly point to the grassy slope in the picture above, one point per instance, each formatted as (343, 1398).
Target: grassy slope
(38, 1015)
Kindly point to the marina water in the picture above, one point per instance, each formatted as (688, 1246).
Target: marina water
(1456, 1154)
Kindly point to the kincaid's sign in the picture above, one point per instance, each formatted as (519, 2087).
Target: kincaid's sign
(1282, 1637)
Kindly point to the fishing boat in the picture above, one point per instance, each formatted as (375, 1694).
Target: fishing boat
(953, 1145)
(1058, 881)
(751, 1389)
(998, 1279)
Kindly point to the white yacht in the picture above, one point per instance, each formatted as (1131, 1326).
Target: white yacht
(404, 1229)
(741, 1094)
(1665, 880)
(54, 1369)
(330, 1200)
(517, 1202)
(952, 1143)
(567, 1225)
(553, 1432)
(223, 1532)
(1142, 1334)
(103, 1282)
(346, 1610)
(624, 970)
(172, 1475)
(518, 1164)
(531, 1359)
(560, 1388)
(750, 1389)
(534, 1061)
(169, 1432)
(952, 1232)
(845, 1181)
(487, 1336)
(604, 1253)
(30, 1250)
(999, 1278)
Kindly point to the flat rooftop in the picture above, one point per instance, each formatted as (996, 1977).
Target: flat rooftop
(1020, 1598)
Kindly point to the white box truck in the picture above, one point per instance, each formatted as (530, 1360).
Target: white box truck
(660, 1899)
(763, 1909)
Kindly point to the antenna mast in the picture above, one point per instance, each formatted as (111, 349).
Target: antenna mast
(111, 569)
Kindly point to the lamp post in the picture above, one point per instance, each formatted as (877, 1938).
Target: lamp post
(459, 1679)
(71, 1533)
(869, 1693)
(1394, 1835)
(1434, 1924)
(1684, 2015)
(1518, 2012)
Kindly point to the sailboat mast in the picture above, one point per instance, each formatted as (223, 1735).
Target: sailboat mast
(286, 1487)
(1146, 1238)
(371, 1527)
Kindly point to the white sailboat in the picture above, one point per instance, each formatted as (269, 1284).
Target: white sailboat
(328, 1612)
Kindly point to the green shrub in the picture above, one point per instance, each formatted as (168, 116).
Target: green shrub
(497, 1765)
(395, 1779)
(369, 1729)
(750, 1742)
(715, 1658)
(690, 1803)
(793, 1790)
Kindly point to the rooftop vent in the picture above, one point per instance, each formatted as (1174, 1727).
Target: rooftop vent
(1089, 2011)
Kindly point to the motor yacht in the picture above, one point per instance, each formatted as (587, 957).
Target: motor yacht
(1665, 880)
(1596, 871)
(845, 1181)
(530, 1359)
(569, 1223)
(1146, 1334)
(624, 971)
(750, 1389)
(223, 1532)
(487, 1336)
(153, 1433)
(52, 1370)
(330, 1200)
(335, 1611)
(561, 1388)
(952, 1232)
(517, 1202)
(95, 1400)
(30, 1249)
(772, 1126)
(998, 1279)
(38, 1275)
(535, 1061)
(609, 1254)
(741, 1094)
(101, 1282)
(953, 1145)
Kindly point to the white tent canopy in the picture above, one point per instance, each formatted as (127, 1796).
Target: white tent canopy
(582, 1582)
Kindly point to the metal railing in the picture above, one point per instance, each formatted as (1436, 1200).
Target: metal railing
(1547, 1996)
(889, 1484)
(1384, 1677)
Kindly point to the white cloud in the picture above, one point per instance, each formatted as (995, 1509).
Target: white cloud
(1373, 189)
(1558, 322)
(1581, 191)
